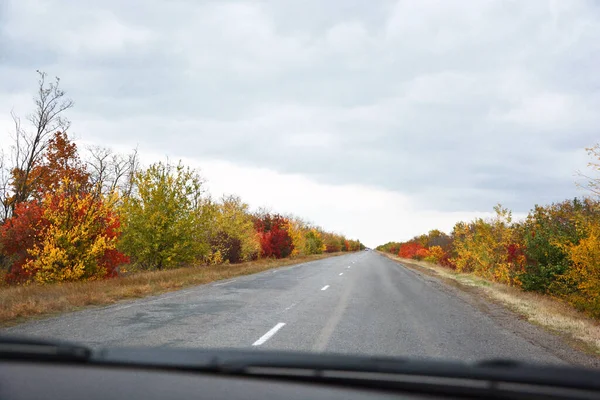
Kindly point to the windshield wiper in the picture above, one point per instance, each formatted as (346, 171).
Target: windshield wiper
(42, 350)
(490, 378)
(394, 373)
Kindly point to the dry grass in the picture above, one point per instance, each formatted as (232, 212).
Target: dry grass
(19, 303)
(546, 311)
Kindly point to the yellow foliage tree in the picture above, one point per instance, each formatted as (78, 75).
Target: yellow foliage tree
(79, 231)
(297, 230)
(164, 220)
(483, 246)
(435, 254)
(584, 275)
(234, 238)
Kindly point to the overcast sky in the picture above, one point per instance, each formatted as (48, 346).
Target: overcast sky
(377, 119)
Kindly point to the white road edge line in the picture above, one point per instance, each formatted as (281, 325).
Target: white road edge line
(348, 267)
(268, 335)
(341, 273)
(325, 287)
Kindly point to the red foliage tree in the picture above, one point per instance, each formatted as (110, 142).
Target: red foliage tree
(112, 258)
(410, 249)
(275, 240)
(446, 261)
(18, 234)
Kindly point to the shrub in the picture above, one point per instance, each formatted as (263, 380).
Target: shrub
(274, 237)
(546, 232)
(583, 279)
(314, 242)
(435, 254)
(163, 219)
(66, 237)
(410, 249)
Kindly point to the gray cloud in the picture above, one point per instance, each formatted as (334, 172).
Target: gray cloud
(457, 104)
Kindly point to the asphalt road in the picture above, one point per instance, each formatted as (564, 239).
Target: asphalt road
(357, 303)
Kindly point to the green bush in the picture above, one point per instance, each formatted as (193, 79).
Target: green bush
(163, 219)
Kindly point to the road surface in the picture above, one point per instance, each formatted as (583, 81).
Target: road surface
(359, 303)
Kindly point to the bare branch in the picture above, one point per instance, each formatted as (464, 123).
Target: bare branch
(133, 166)
(120, 166)
(5, 192)
(98, 163)
(112, 172)
(50, 104)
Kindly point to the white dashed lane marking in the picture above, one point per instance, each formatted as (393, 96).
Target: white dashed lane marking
(269, 334)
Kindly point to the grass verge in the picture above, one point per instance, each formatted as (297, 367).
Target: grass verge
(21, 303)
(545, 311)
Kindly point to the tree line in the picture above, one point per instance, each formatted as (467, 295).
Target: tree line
(555, 250)
(67, 216)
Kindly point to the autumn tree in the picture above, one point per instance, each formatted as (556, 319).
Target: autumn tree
(78, 239)
(438, 238)
(60, 163)
(581, 283)
(422, 240)
(483, 246)
(355, 245)
(314, 242)
(63, 232)
(163, 218)
(233, 238)
(331, 242)
(67, 235)
(297, 231)
(435, 254)
(19, 234)
(273, 233)
(390, 247)
(547, 232)
(411, 249)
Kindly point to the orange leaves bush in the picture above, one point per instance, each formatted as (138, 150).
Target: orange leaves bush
(410, 249)
(421, 254)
